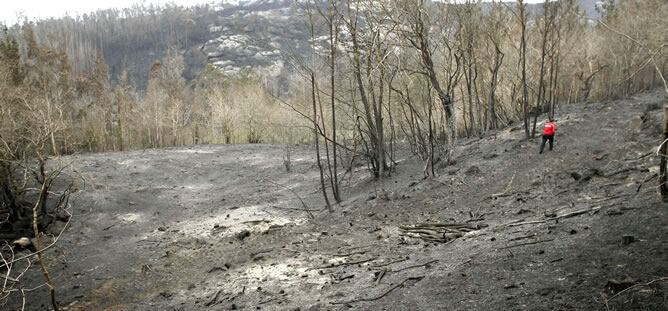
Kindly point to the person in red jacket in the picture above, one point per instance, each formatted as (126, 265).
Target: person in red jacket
(549, 129)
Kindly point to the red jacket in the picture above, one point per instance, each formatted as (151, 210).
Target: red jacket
(549, 128)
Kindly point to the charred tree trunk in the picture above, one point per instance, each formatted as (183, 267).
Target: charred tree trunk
(373, 122)
(523, 64)
(498, 61)
(547, 32)
(316, 134)
(663, 150)
(333, 35)
(421, 42)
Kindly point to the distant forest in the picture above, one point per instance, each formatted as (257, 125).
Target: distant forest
(128, 39)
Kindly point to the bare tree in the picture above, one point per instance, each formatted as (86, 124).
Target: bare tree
(419, 38)
(372, 104)
(523, 65)
(314, 99)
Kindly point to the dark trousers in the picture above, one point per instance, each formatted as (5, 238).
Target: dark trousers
(546, 138)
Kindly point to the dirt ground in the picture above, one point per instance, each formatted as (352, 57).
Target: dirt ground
(216, 227)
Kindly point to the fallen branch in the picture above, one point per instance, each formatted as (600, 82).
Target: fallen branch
(389, 263)
(580, 212)
(463, 226)
(612, 184)
(639, 169)
(663, 279)
(415, 278)
(599, 200)
(527, 243)
(481, 218)
(347, 254)
(416, 266)
(381, 274)
(253, 254)
(567, 215)
(646, 180)
(344, 264)
(522, 237)
(267, 301)
(642, 156)
(214, 300)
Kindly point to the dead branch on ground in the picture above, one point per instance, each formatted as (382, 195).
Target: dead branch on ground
(646, 180)
(607, 300)
(347, 254)
(567, 215)
(416, 266)
(344, 264)
(625, 170)
(389, 263)
(527, 243)
(400, 284)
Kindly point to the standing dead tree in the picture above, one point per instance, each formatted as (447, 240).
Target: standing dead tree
(332, 20)
(547, 33)
(415, 19)
(468, 35)
(523, 65)
(314, 102)
(368, 53)
(493, 35)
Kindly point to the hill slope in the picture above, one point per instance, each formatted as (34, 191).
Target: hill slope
(230, 35)
(216, 227)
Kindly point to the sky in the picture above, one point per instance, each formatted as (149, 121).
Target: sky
(40, 9)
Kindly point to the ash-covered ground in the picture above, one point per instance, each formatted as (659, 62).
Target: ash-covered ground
(222, 227)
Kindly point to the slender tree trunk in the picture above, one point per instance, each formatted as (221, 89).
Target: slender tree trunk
(547, 20)
(333, 34)
(498, 60)
(120, 126)
(469, 93)
(663, 151)
(316, 135)
(523, 60)
(431, 134)
(374, 140)
(422, 34)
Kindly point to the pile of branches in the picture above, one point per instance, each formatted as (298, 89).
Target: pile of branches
(439, 232)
